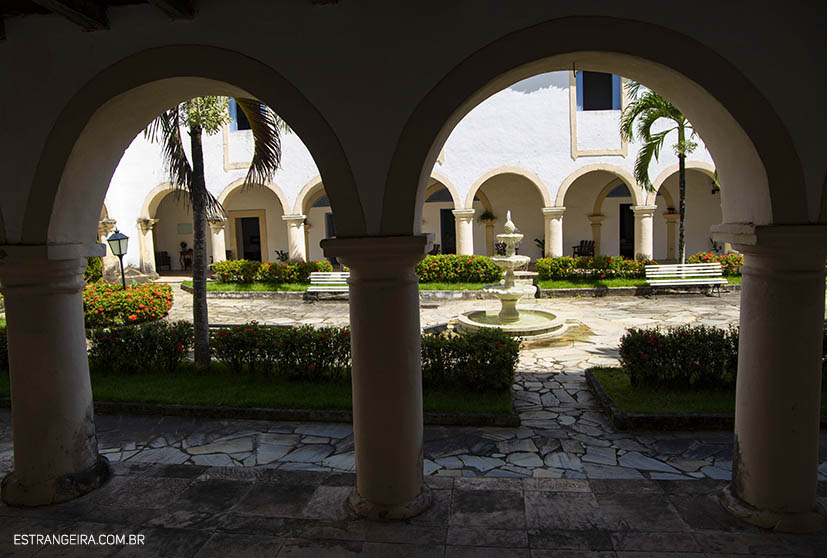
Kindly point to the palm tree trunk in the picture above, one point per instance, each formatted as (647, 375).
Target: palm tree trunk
(198, 193)
(682, 198)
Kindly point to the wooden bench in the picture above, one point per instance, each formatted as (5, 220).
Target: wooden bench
(585, 248)
(686, 275)
(328, 282)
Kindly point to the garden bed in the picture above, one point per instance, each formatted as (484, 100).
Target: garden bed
(656, 409)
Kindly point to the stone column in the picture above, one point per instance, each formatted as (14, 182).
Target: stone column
(553, 217)
(778, 393)
(307, 227)
(672, 220)
(597, 224)
(55, 448)
(387, 373)
(218, 239)
(146, 244)
(296, 241)
(465, 230)
(109, 261)
(643, 231)
(489, 237)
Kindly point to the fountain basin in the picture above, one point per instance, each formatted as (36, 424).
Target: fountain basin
(533, 323)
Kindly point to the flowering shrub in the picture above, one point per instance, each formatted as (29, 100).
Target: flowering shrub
(596, 267)
(148, 347)
(106, 305)
(452, 268)
(681, 357)
(730, 263)
(480, 361)
(246, 271)
(94, 270)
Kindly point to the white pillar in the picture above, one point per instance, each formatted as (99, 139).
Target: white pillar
(489, 236)
(671, 234)
(218, 239)
(109, 262)
(643, 231)
(387, 373)
(146, 244)
(553, 221)
(295, 237)
(55, 448)
(778, 393)
(597, 225)
(465, 230)
(307, 227)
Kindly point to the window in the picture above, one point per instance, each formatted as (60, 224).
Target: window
(238, 121)
(598, 91)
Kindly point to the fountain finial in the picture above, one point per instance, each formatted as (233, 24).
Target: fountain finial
(509, 226)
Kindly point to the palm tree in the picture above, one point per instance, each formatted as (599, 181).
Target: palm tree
(208, 115)
(647, 109)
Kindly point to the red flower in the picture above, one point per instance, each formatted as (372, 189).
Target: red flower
(133, 317)
(311, 367)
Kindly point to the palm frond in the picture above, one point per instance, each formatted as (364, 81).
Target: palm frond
(265, 126)
(650, 150)
(632, 89)
(166, 129)
(649, 102)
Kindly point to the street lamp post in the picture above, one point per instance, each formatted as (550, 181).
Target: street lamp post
(117, 243)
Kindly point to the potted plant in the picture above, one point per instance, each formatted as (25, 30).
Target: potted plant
(487, 217)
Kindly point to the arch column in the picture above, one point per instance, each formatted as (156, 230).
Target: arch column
(218, 239)
(597, 229)
(296, 241)
(464, 219)
(55, 447)
(672, 220)
(643, 231)
(109, 261)
(387, 373)
(778, 392)
(489, 236)
(307, 227)
(553, 228)
(146, 244)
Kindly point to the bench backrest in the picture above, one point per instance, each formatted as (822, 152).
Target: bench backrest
(695, 270)
(328, 277)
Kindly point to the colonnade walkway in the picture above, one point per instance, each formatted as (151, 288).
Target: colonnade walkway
(564, 480)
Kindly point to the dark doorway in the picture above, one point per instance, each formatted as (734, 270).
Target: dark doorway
(627, 231)
(330, 232)
(448, 231)
(249, 238)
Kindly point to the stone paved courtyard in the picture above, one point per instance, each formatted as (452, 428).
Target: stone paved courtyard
(565, 479)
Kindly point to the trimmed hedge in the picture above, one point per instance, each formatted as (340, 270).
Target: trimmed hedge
(481, 361)
(730, 263)
(597, 267)
(147, 347)
(94, 270)
(681, 357)
(453, 268)
(246, 271)
(106, 305)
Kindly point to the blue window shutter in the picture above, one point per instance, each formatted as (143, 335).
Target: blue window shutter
(233, 115)
(615, 92)
(579, 87)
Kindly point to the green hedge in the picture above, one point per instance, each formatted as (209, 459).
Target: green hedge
(730, 263)
(246, 271)
(452, 268)
(597, 267)
(94, 270)
(147, 347)
(481, 361)
(681, 357)
(106, 304)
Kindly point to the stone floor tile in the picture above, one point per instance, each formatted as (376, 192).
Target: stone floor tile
(504, 509)
(654, 541)
(483, 552)
(570, 540)
(639, 512)
(635, 460)
(224, 545)
(329, 502)
(703, 511)
(557, 485)
(562, 510)
(405, 532)
(167, 543)
(623, 486)
(489, 537)
(275, 500)
(397, 550)
(299, 548)
(573, 554)
(309, 454)
(233, 445)
(213, 495)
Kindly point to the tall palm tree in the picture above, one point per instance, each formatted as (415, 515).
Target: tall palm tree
(647, 109)
(208, 115)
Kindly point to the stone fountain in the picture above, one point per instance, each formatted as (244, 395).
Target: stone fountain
(531, 323)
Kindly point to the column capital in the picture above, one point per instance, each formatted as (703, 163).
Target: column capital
(145, 224)
(644, 210)
(768, 238)
(553, 212)
(106, 226)
(294, 219)
(45, 269)
(671, 217)
(217, 225)
(596, 219)
(463, 214)
(378, 256)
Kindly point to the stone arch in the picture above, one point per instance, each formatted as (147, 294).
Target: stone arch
(154, 198)
(598, 200)
(701, 166)
(104, 116)
(741, 129)
(622, 174)
(237, 184)
(444, 182)
(308, 195)
(528, 175)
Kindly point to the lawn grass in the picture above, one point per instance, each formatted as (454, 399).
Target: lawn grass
(220, 388)
(649, 400)
(452, 286)
(603, 283)
(260, 286)
(2, 323)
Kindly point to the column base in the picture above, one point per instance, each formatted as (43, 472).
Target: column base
(378, 512)
(58, 490)
(785, 522)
